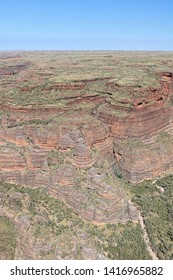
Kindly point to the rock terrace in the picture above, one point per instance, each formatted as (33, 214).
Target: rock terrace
(77, 138)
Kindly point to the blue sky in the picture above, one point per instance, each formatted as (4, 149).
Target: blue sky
(86, 25)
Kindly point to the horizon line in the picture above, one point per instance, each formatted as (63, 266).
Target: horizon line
(82, 50)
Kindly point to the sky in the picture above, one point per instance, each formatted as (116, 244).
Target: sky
(86, 25)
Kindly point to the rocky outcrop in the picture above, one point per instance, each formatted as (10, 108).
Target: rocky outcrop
(79, 143)
(82, 155)
(12, 70)
(142, 138)
(157, 157)
(65, 142)
(95, 133)
(11, 159)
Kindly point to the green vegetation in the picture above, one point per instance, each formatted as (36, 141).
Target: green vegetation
(113, 112)
(45, 70)
(7, 239)
(117, 78)
(165, 137)
(58, 220)
(157, 209)
(130, 244)
(116, 241)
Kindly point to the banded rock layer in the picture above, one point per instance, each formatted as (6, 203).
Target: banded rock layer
(78, 153)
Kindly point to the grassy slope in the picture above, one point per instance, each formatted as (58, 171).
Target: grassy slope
(7, 239)
(116, 241)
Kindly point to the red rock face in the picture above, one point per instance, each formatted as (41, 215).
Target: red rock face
(65, 142)
(95, 134)
(68, 149)
(37, 159)
(147, 117)
(148, 155)
(11, 159)
(75, 86)
(12, 70)
(82, 156)
(139, 125)
(16, 136)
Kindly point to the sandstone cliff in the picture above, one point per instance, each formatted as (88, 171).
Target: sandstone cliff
(77, 137)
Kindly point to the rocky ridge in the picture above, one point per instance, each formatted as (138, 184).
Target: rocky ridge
(80, 144)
